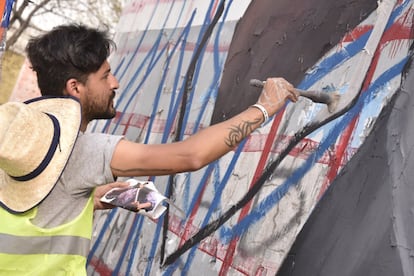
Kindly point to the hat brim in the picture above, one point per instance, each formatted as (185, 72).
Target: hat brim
(18, 196)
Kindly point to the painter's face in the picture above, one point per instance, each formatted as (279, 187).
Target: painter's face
(97, 99)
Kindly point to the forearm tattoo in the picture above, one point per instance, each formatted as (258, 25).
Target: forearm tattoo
(238, 133)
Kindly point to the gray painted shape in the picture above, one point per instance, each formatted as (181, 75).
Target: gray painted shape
(282, 38)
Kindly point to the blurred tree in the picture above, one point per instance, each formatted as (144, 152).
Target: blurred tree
(31, 17)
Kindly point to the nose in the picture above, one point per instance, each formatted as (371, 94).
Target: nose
(114, 82)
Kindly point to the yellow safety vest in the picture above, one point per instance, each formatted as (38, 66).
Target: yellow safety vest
(26, 249)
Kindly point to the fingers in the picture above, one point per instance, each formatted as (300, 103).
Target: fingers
(282, 88)
(102, 190)
(146, 206)
(275, 89)
(275, 93)
(293, 95)
(136, 205)
(117, 185)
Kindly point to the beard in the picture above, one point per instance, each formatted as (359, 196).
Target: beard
(98, 110)
(108, 114)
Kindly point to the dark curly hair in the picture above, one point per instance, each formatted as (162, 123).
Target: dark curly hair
(67, 51)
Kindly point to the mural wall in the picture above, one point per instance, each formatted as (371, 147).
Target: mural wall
(183, 65)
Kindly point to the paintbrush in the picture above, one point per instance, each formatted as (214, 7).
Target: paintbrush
(331, 99)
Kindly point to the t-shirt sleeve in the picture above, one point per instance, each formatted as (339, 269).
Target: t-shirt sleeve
(89, 163)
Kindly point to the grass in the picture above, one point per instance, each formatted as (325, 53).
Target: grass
(11, 64)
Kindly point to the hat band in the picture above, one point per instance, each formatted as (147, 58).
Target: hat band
(49, 155)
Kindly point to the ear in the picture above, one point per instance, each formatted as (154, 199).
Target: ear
(72, 88)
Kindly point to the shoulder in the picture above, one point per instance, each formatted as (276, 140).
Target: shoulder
(98, 138)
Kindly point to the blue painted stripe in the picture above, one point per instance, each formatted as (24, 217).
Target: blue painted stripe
(99, 238)
(5, 20)
(215, 203)
(135, 228)
(134, 248)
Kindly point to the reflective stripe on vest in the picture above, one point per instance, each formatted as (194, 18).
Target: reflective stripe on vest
(44, 245)
(28, 249)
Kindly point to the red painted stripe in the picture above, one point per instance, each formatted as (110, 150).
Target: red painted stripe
(228, 259)
(356, 33)
(222, 47)
(214, 9)
(100, 267)
(2, 8)
(189, 229)
(398, 31)
(339, 155)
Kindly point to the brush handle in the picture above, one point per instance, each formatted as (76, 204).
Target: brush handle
(314, 96)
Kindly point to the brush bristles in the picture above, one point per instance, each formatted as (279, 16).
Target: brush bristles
(333, 103)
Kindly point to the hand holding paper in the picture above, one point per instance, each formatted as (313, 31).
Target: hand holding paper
(139, 196)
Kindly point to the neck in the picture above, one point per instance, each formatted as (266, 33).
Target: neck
(84, 125)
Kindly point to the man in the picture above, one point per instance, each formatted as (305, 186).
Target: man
(72, 61)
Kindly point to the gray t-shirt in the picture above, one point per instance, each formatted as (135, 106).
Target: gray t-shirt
(88, 167)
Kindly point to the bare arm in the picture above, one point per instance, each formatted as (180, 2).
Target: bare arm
(207, 145)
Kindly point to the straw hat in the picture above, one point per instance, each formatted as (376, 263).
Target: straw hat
(36, 140)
